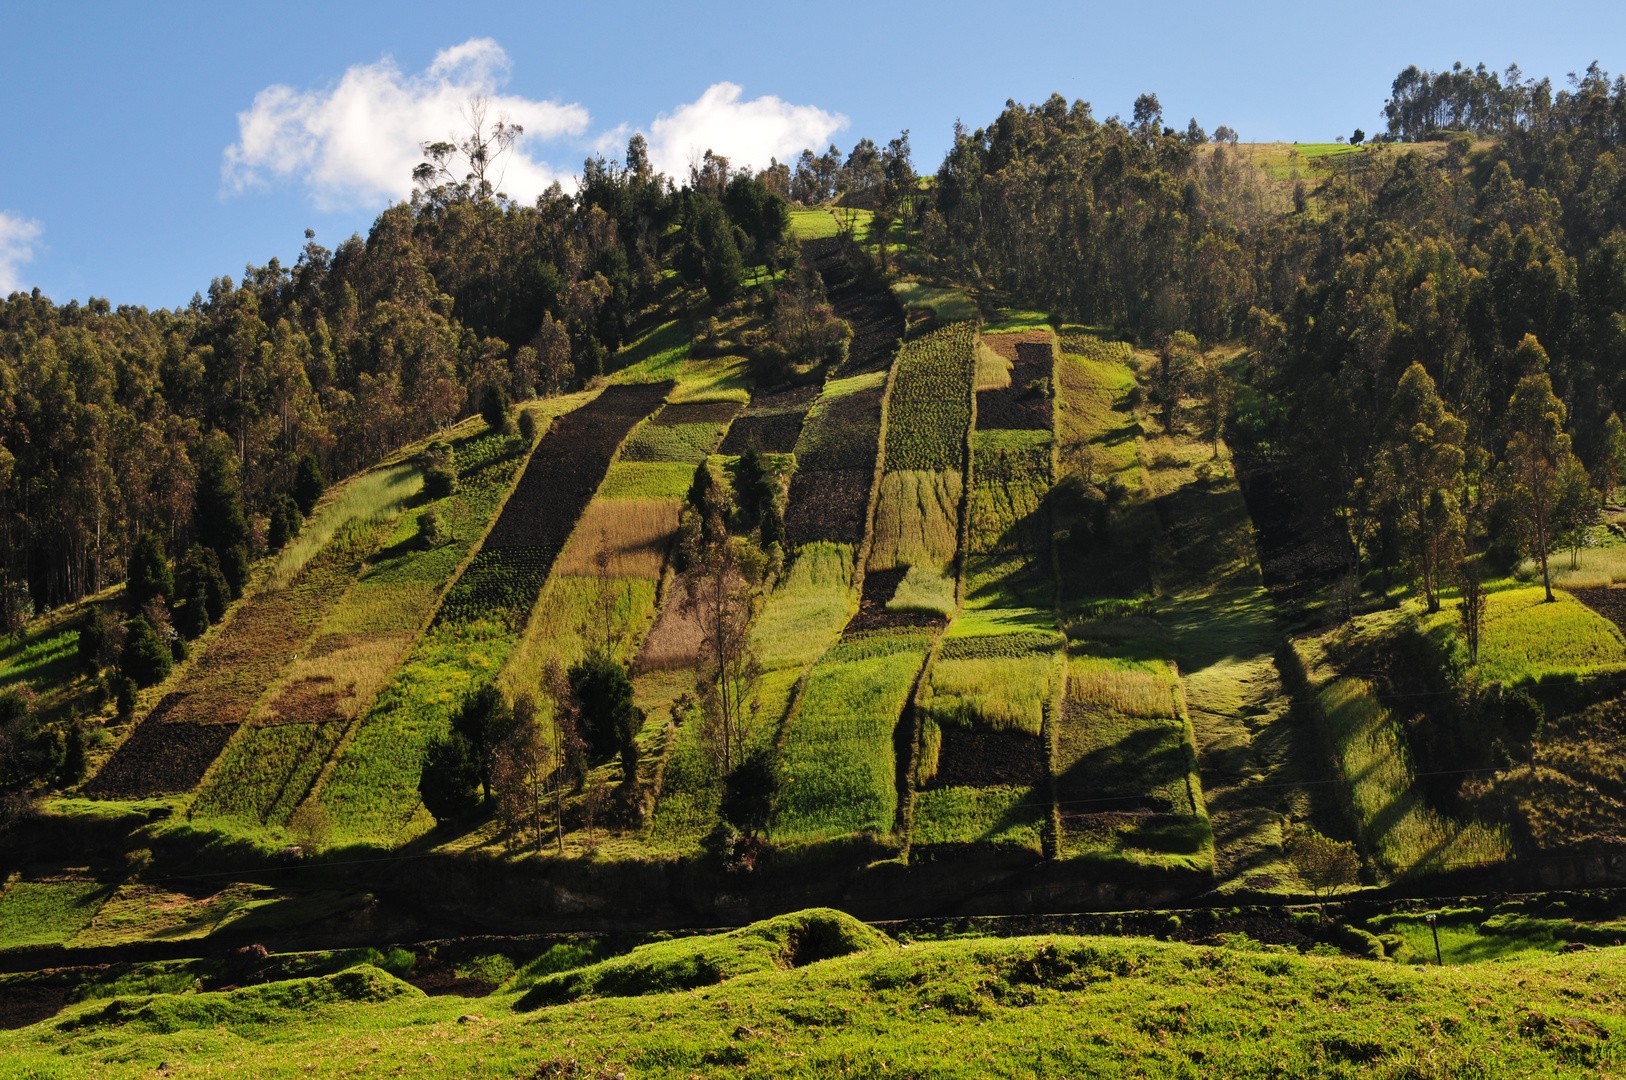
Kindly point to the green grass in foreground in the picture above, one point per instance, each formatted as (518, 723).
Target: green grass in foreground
(1057, 1006)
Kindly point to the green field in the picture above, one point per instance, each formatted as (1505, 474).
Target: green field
(947, 304)
(1526, 638)
(807, 609)
(929, 408)
(838, 761)
(813, 224)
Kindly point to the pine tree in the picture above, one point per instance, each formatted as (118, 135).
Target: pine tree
(308, 484)
(147, 576)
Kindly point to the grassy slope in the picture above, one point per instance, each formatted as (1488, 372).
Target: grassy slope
(1124, 739)
(1401, 832)
(1022, 1007)
(1526, 638)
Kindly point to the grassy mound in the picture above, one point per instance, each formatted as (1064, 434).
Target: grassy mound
(789, 941)
(249, 1008)
(977, 1007)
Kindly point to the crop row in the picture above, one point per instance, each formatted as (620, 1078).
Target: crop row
(917, 520)
(929, 410)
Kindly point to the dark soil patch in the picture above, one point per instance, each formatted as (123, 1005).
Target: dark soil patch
(783, 399)
(770, 433)
(828, 504)
(1607, 600)
(983, 758)
(874, 315)
(440, 979)
(160, 758)
(1023, 405)
(567, 467)
(22, 1004)
(879, 587)
(308, 701)
(703, 412)
(1297, 553)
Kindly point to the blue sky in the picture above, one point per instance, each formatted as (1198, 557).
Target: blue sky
(129, 174)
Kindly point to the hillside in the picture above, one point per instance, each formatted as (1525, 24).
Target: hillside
(980, 603)
(1126, 603)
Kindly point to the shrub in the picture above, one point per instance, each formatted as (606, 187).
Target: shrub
(285, 523)
(527, 426)
(429, 533)
(609, 721)
(450, 783)
(72, 769)
(308, 484)
(204, 591)
(749, 792)
(234, 569)
(495, 409)
(100, 639)
(439, 471)
(145, 658)
(126, 695)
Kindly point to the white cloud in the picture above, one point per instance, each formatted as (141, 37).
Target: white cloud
(17, 238)
(746, 132)
(356, 144)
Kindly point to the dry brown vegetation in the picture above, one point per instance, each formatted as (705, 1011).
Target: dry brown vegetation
(631, 534)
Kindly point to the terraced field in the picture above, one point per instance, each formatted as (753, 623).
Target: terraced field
(304, 718)
(985, 708)
(199, 712)
(372, 790)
